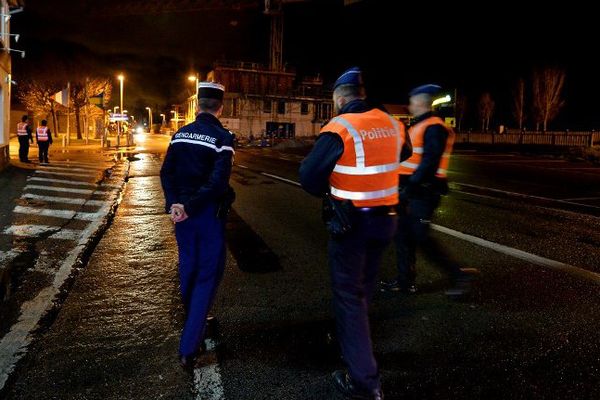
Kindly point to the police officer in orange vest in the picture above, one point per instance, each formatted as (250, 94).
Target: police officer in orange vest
(44, 140)
(423, 180)
(25, 136)
(354, 163)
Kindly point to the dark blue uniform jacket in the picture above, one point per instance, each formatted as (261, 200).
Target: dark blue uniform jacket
(198, 164)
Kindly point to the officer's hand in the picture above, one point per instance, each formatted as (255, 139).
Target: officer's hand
(178, 213)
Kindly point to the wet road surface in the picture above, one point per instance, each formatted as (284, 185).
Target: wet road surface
(528, 331)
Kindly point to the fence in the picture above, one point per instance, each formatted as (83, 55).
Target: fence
(567, 139)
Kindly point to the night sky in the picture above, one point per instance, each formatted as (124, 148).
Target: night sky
(398, 44)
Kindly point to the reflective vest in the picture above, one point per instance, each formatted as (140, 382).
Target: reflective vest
(42, 134)
(22, 129)
(417, 137)
(367, 171)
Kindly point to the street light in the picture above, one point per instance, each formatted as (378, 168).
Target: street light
(115, 109)
(149, 119)
(121, 78)
(441, 100)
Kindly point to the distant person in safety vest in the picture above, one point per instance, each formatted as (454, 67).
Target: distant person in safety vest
(44, 140)
(423, 180)
(25, 137)
(354, 166)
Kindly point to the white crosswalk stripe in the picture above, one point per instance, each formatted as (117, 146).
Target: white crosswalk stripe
(67, 181)
(93, 175)
(65, 214)
(71, 169)
(38, 230)
(66, 200)
(58, 189)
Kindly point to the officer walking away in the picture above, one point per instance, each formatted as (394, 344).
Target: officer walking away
(423, 180)
(195, 180)
(25, 137)
(354, 164)
(44, 140)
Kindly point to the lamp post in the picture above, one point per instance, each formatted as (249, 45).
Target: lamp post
(120, 125)
(149, 119)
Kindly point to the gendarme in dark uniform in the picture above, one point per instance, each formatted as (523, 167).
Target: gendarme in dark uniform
(354, 163)
(195, 180)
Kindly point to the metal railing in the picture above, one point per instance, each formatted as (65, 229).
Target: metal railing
(563, 138)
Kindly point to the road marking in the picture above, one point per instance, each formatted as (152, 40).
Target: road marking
(38, 230)
(281, 179)
(64, 214)
(58, 189)
(79, 169)
(107, 164)
(207, 379)
(66, 200)
(525, 195)
(69, 182)
(242, 166)
(522, 255)
(67, 174)
(13, 345)
(582, 199)
(7, 256)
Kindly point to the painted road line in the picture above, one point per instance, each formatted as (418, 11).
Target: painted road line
(522, 255)
(64, 214)
(281, 179)
(58, 189)
(207, 379)
(514, 194)
(13, 345)
(582, 199)
(56, 232)
(65, 200)
(242, 166)
(69, 182)
(67, 174)
(88, 169)
(7, 256)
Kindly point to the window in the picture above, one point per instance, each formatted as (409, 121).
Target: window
(281, 107)
(267, 106)
(235, 108)
(304, 108)
(326, 111)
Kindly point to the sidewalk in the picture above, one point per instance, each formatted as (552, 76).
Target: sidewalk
(50, 216)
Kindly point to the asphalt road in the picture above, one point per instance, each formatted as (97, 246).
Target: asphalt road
(528, 331)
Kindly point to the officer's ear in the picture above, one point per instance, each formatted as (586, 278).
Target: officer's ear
(220, 110)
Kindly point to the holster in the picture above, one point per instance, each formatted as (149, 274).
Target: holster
(225, 202)
(337, 216)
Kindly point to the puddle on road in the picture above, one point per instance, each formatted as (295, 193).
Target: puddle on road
(250, 251)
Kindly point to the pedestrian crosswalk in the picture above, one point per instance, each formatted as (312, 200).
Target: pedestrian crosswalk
(58, 194)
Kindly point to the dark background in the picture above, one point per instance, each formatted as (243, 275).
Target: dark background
(474, 48)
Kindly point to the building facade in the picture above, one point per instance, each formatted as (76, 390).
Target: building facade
(261, 102)
(5, 83)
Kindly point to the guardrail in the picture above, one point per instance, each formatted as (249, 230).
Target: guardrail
(567, 139)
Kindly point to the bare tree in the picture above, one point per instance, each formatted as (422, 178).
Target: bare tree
(519, 103)
(461, 109)
(547, 95)
(486, 110)
(37, 96)
(81, 91)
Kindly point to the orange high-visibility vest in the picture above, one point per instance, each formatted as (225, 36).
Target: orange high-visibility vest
(42, 133)
(367, 171)
(417, 137)
(22, 129)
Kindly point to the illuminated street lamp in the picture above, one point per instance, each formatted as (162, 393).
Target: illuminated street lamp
(149, 119)
(121, 78)
(441, 100)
